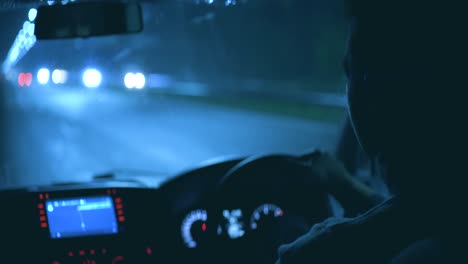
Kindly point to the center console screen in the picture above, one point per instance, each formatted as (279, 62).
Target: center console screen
(81, 216)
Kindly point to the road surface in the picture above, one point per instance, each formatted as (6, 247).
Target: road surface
(67, 134)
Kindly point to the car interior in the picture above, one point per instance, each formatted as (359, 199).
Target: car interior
(235, 209)
(228, 210)
(210, 213)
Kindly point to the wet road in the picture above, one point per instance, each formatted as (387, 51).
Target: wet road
(70, 134)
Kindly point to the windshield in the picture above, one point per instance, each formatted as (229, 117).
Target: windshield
(205, 79)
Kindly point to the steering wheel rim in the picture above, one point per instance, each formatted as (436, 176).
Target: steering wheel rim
(284, 173)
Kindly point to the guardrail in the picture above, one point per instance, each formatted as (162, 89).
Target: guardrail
(258, 90)
(289, 94)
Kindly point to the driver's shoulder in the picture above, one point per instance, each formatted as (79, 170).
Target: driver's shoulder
(338, 239)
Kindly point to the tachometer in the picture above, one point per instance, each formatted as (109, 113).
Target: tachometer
(193, 227)
(263, 213)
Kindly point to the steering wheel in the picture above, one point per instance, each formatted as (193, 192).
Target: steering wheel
(280, 179)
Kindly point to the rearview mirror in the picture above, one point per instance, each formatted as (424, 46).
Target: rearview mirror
(81, 20)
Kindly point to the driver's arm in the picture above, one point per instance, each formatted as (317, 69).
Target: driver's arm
(357, 198)
(353, 195)
(324, 240)
(373, 237)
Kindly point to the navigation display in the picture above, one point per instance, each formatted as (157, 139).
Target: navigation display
(85, 216)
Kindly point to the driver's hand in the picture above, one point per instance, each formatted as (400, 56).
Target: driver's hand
(333, 177)
(330, 173)
(319, 245)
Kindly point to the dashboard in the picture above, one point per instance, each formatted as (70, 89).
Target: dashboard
(217, 212)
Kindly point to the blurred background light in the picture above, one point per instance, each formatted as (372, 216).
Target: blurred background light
(28, 78)
(21, 37)
(129, 80)
(92, 78)
(59, 76)
(24, 41)
(56, 76)
(31, 29)
(43, 76)
(24, 79)
(15, 53)
(32, 14)
(21, 79)
(26, 26)
(139, 81)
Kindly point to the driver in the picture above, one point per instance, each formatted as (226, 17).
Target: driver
(403, 83)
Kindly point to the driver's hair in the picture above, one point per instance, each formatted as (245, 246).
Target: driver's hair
(414, 55)
(402, 34)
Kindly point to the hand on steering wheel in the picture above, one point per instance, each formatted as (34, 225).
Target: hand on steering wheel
(329, 172)
(333, 177)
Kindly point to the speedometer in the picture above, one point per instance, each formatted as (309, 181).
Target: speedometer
(264, 213)
(194, 227)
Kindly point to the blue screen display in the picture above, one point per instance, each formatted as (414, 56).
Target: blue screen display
(75, 217)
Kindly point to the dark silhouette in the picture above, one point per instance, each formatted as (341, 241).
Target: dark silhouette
(404, 71)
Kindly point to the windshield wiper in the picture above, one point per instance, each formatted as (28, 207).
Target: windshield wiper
(146, 177)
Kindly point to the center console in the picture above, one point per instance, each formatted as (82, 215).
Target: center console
(92, 226)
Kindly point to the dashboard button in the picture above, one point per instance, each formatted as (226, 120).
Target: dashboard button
(149, 251)
(118, 259)
(88, 261)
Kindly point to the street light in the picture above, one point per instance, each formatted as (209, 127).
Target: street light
(32, 14)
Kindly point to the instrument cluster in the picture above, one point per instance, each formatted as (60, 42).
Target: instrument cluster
(200, 226)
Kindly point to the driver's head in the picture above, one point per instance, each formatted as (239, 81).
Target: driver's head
(402, 60)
